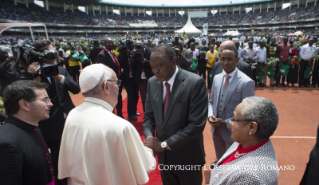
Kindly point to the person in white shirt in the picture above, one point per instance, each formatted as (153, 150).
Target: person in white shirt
(97, 146)
(195, 52)
(306, 54)
(240, 51)
(261, 61)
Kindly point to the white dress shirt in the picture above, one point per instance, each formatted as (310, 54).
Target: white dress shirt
(261, 56)
(232, 74)
(171, 83)
(306, 52)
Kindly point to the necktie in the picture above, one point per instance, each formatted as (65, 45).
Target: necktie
(226, 82)
(168, 92)
(116, 62)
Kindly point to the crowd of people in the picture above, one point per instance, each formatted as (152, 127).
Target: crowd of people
(57, 15)
(47, 111)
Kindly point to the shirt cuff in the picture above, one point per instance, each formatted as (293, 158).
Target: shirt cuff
(62, 80)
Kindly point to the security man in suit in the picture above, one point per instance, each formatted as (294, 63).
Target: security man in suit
(228, 90)
(108, 58)
(176, 107)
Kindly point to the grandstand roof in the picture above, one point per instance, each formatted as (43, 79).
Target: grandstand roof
(160, 4)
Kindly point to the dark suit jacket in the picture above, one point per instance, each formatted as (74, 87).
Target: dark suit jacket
(185, 61)
(93, 54)
(22, 158)
(185, 118)
(106, 59)
(52, 128)
(147, 53)
(241, 65)
(310, 176)
(138, 67)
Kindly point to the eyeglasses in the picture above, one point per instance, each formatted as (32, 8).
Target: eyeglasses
(234, 119)
(118, 82)
(46, 100)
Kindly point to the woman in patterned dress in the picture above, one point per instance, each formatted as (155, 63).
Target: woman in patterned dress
(251, 159)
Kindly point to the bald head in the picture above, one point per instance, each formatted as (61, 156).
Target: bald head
(226, 43)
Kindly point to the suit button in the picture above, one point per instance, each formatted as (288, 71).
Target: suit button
(220, 106)
(221, 101)
(164, 131)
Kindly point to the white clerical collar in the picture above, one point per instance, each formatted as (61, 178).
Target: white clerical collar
(171, 81)
(99, 102)
(232, 74)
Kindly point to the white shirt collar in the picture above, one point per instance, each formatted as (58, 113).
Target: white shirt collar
(99, 102)
(171, 81)
(232, 74)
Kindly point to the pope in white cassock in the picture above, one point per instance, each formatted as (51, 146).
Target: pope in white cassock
(98, 147)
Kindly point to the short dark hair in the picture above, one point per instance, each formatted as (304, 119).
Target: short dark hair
(232, 48)
(41, 43)
(21, 89)
(169, 51)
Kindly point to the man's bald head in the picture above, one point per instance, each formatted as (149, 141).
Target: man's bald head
(226, 43)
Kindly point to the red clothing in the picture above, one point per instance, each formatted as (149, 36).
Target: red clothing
(284, 51)
(240, 151)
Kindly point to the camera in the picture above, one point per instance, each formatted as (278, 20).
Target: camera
(24, 54)
(176, 49)
(126, 44)
(138, 51)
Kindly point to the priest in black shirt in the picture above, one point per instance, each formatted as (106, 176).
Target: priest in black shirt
(24, 155)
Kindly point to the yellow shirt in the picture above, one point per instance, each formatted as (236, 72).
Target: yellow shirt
(211, 58)
(116, 53)
(72, 62)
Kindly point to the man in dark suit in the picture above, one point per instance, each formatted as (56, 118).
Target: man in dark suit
(241, 65)
(95, 51)
(58, 91)
(108, 58)
(176, 107)
(126, 62)
(142, 71)
(24, 155)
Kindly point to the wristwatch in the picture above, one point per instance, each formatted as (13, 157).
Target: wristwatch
(164, 145)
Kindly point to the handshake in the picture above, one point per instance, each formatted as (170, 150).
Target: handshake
(154, 144)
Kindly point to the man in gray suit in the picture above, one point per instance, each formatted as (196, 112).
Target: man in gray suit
(176, 107)
(228, 90)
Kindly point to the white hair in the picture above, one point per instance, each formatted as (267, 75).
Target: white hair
(264, 112)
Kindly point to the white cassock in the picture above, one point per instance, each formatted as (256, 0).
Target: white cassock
(100, 148)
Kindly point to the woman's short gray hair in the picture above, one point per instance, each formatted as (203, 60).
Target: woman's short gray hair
(264, 112)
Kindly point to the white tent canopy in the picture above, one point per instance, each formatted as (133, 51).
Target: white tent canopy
(189, 28)
(231, 33)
